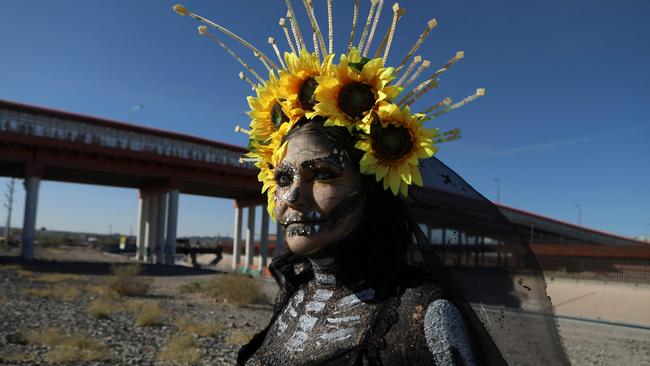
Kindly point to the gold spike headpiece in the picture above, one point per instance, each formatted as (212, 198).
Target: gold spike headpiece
(359, 93)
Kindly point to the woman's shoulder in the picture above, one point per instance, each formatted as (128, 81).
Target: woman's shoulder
(428, 327)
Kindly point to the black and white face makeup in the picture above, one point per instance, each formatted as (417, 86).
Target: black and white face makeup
(319, 194)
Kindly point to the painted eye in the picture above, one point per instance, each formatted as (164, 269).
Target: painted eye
(283, 180)
(324, 174)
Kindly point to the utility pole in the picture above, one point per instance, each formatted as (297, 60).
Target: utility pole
(579, 207)
(9, 195)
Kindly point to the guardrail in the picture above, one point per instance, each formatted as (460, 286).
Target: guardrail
(113, 137)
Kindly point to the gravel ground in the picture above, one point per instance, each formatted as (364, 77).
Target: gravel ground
(590, 343)
(128, 344)
(587, 343)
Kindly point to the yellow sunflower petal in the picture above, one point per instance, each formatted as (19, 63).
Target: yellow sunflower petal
(393, 180)
(405, 172)
(371, 69)
(404, 189)
(416, 176)
(381, 171)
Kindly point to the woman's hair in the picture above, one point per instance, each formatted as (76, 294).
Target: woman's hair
(381, 240)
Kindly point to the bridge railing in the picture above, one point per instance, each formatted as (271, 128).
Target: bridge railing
(116, 138)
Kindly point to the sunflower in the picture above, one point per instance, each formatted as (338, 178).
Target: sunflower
(267, 177)
(355, 89)
(267, 110)
(268, 155)
(298, 82)
(396, 141)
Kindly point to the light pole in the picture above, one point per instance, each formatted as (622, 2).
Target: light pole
(579, 207)
(496, 179)
(135, 108)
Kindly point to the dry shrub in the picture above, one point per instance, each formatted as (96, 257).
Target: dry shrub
(206, 329)
(150, 314)
(68, 348)
(56, 277)
(180, 349)
(50, 336)
(133, 306)
(66, 354)
(190, 288)
(16, 358)
(102, 308)
(57, 292)
(127, 270)
(97, 289)
(239, 337)
(231, 288)
(25, 273)
(126, 281)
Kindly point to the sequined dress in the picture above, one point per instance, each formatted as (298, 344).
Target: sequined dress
(329, 321)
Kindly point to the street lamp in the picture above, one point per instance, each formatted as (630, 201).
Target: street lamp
(498, 189)
(579, 207)
(135, 108)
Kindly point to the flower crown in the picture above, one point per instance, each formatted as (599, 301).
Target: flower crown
(359, 93)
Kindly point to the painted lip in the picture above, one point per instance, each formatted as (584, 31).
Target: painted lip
(303, 223)
(302, 229)
(310, 218)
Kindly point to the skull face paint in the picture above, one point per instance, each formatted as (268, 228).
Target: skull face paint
(319, 196)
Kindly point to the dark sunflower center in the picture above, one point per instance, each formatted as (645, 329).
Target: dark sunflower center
(390, 142)
(278, 116)
(306, 94)
(356, 98)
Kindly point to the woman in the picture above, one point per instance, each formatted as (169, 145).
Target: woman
(348, 295)
(337, 145)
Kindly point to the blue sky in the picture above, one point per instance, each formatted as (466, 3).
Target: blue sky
(565, 120)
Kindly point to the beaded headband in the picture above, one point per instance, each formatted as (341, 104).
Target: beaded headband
(358, 93)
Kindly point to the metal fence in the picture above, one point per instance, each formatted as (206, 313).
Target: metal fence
(617, 263)
(601, 269)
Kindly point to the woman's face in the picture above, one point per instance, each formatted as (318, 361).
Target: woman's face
(319, 195)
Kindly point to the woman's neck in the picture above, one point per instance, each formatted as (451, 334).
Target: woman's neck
(344, 263)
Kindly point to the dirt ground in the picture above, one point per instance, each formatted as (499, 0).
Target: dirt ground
(615, 302)
(601, 323)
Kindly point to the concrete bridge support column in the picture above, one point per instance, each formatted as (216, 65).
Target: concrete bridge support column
(152, 230)
(172, 224)
(250, 236)
(143, 212)
(161, 211)
(236, 239)
(32, 184)
(264, 239)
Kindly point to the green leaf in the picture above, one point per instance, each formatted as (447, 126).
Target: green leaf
(359, 65)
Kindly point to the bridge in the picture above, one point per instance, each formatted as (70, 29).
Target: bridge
(38, 143)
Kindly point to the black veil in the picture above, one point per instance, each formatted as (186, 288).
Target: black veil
(469, 246)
